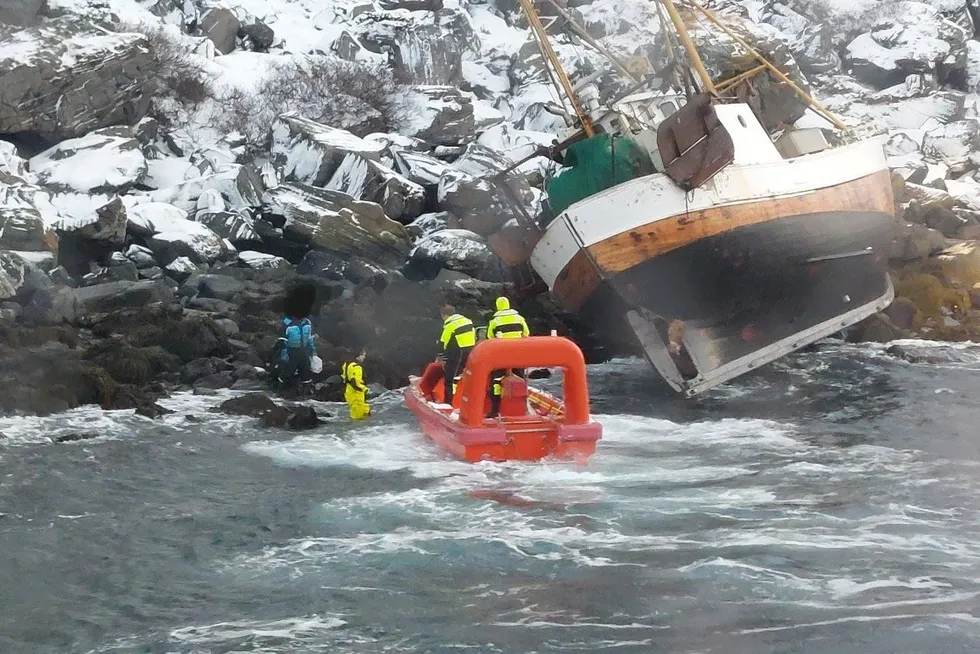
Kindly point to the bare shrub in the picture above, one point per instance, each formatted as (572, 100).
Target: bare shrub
(180, 79)
(359, 97)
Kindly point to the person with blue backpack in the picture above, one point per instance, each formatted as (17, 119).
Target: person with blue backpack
(296, 358)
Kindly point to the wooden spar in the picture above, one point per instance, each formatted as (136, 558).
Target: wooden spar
(692, 52)
(545, 44)
(823, 111)
(733, 81)
(595, 44)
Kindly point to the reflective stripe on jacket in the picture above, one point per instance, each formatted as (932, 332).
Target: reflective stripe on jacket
(507, 324)
(457, 331)
(353, 375)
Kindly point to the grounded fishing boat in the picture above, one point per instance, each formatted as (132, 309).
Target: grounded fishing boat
(678, 214)
(531, 424)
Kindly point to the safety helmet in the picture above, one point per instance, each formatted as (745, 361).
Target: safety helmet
(503, 304)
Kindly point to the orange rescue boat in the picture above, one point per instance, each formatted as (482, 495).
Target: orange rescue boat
(531, 424)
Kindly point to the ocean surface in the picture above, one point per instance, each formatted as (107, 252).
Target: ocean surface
(828, 503)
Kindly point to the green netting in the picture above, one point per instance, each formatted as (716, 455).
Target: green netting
(595, 164)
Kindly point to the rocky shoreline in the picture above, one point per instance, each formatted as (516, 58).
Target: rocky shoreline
(167, 172)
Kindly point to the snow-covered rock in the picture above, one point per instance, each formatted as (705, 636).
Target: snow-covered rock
(236, 226)
(170, 234)
(467, 192)
(140, 256)
(181, 268)
(809, 39)
(309, 152)
(456, 249)
(429, 223)
(441, 115)
(13, 168)
(260, 260)
(419, 168)
(425, 47)
(187, 239)
(77, 78)
(13, 271)
(953, 144)
(21, 228)
(910, 37)
(106, 160)
(240, 186)
(333, 221)
(106, 226)
(363, 179)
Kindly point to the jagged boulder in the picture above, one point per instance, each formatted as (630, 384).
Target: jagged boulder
(467, 192)
(221, 26)
(65, 78)
(13, 271)
(309, 152)
(441, 115)
(91, 238)
(810, 39)
(333, 221)
(107, 160)
(261, 260)
(21, 228)
(170, 234)
(459, 250)
(776, 104)
(910, 37)
(953, 143)
(23, 13)
(236, 226)
(426, 48)
(120, 295)
(363, 179)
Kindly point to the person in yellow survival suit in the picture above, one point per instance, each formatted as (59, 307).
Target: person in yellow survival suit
(355, 392)
(506, 323)
(457, 340)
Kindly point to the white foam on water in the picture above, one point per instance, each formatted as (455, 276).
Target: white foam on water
(34, 430)
(273, 636)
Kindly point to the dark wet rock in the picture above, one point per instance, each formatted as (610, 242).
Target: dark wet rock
(211, 305)
(303, 418)
(142, 257)
(191, 338)
(227, 325)
(220, 287)
(221, 27)
(50, 306)
(274, 418)
(120, 295)
(218, 380)
(152, 410)
(131, 365)
(202, 368)
(180, 269)
(76, 436)
(902, 313)
(539, 373)
(257, 36)
(876, 329)
(250, 404)
(78, 77)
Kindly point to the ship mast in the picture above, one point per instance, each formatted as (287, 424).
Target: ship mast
(564, 84)
(692, 52)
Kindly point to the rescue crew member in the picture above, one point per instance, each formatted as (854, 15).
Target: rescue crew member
(506, 323)
(457, 340)
(296, 348)
(355, 392)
